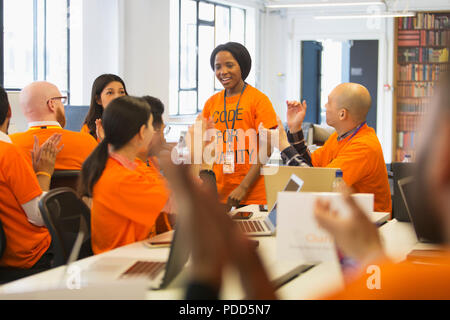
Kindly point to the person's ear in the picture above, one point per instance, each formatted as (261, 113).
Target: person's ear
(51, 105)
(342, 114)
(98, 100)
(142, 132)
(9, 114)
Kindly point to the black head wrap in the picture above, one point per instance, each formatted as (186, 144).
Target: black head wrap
(239, 52)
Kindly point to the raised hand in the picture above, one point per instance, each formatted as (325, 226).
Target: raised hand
(99, 129)
(296, 112)
(356, 236)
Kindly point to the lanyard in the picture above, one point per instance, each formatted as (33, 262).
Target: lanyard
(44, 127)
(355, 131)
(237, 106)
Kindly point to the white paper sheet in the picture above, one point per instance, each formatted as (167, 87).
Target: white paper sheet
(298, 234)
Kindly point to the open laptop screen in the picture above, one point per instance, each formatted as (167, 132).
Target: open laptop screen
(425, 225)
(294, 184)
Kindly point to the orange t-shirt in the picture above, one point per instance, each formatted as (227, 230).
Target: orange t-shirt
(254, 108)
(125, 205)
(77, 146)
(25, 242)
(405, 281)
(361, 160)
(85, 129)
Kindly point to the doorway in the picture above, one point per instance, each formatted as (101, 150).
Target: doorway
(327, 63)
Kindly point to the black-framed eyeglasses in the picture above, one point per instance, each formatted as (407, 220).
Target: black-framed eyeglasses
(63, 99)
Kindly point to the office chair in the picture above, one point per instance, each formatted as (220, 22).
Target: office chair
(64, 178)
(65, 216)
(8, 274)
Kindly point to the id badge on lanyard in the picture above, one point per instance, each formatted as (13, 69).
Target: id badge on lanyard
(228, 163)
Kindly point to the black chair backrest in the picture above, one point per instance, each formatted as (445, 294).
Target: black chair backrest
(65, 178)
(2, 240)
(65, 214)
(400, 170)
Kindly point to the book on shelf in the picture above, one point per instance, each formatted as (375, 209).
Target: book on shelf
(420, 72)
(415, 89)
(422, 55)
(424, 21)
(408, 122)
(406, 140)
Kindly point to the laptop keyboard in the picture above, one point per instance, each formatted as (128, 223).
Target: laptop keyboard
(251, 226)
(148, 269)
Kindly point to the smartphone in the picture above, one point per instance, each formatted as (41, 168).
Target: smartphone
(242, 215)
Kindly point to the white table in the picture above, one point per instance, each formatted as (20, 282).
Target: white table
(399, 238)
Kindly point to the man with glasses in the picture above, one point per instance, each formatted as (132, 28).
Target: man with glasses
(43, 106)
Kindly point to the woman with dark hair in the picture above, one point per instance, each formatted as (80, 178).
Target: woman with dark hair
(126, 198)
(237, 111)
(105, 88)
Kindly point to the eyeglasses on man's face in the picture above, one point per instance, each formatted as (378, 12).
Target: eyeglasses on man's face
(62, 99)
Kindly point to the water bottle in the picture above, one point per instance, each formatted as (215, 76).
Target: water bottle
(338, 182)
(407, 158)
(182, 150)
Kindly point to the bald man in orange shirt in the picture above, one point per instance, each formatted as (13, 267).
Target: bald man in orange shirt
(354, 147)
(43, 106)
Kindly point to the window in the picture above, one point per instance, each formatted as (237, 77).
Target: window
(202, 25)
(36, 37)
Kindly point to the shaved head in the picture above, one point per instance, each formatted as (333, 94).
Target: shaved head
(36, 104)
(355, 98)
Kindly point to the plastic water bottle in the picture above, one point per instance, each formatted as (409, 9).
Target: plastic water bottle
(338, 182)
(182, 150)
(407, 158)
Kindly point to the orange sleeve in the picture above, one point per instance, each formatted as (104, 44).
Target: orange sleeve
(84, 129)
(20, 177)
(264, 113)
(206, 112)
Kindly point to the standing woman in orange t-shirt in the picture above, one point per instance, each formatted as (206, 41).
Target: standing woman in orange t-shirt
(126, 197)
(105, 88)
(237, 111)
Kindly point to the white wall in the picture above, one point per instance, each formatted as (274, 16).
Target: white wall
(144, 47)
(96, 51)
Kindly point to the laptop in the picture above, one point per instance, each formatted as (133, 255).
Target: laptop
(400, 170)
(267, 226)
(158, 274)
(315, 180)
(427, 230)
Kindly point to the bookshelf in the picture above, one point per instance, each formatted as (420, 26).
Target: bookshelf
(421, 53)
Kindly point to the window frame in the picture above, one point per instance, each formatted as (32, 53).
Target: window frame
(35, 46)
(199, 23)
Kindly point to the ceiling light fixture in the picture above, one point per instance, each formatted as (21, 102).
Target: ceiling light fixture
(323, 4)
(365, 16)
